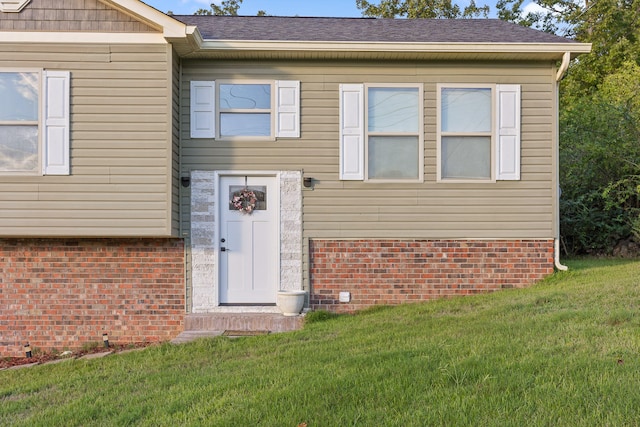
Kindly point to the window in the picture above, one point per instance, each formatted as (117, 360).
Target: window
(478, 132)
(383, 141)
(19, 107)
(245, 109)
(34, 122)
(256, 109)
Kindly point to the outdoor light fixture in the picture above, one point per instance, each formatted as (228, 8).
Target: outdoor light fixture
(185, 180)
(27, 350)
(307, 182)
(105, 339)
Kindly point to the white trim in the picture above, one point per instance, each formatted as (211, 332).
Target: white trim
(556, 50)
(564, 66)
(13, 6)
(171, 27)
(81, 37)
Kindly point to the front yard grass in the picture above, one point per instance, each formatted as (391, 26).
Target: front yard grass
(563, 352)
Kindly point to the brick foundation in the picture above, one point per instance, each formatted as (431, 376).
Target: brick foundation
(400, 271)
(60, 294)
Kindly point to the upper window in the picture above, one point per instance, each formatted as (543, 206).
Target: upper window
(230, 109)
(466, 133)
(19, 106)
(244, 109)
(478, 132)
(384, 140)
(28, 140)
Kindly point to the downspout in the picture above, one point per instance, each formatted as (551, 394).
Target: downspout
(566, 58)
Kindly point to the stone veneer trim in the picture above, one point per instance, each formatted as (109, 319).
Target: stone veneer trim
(204, 232)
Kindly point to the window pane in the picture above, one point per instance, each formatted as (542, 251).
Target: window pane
(19, 96)
(245, 124)
(19, 148)
(466, 157)
(394, 157)
(466, 110)
(393, 109)
(245, 96)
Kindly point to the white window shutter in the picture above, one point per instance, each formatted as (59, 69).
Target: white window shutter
(55, 138)
(508, 144)
(288, 108)
(203, 105)
(352, 132)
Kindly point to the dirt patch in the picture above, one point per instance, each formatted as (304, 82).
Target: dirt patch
(41, 358)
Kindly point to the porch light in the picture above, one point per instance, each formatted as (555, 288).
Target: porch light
(307, 182)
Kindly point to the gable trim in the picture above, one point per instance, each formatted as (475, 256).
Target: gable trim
(170, 27)
(13, 5)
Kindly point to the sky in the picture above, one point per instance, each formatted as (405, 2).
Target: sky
(339, 8)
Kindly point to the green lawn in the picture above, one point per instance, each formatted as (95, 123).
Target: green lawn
(565, 352)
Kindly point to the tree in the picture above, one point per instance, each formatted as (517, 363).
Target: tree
(226, 8)
(612, 26)
(421, 9)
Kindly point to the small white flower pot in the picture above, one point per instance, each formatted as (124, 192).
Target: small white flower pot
(291, 302)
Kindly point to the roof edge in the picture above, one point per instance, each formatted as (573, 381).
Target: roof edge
(399, 47)
(170, 27)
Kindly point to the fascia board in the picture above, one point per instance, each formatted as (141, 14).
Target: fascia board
(475, 48)
(171, 28)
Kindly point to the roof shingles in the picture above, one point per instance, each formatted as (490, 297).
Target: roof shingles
(276, 28)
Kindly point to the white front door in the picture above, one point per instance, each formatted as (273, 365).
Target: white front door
(249, 243)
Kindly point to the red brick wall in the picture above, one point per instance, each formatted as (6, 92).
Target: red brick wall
(400, 271)
(60, 294)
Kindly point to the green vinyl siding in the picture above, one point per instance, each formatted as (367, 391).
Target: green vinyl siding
(357, 209)
(123, 162)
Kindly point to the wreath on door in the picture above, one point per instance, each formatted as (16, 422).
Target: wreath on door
(244, 201)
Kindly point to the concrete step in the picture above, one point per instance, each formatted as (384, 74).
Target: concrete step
(188, 336)
(257, 322)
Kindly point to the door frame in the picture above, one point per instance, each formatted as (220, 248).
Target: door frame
(218, 221)
(202, 239)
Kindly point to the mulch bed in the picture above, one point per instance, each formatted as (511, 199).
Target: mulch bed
(40, 358)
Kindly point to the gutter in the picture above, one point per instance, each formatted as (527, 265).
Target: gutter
(556, 258)
(566, 58)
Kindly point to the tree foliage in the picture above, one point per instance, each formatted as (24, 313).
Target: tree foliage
(600, 129)
(226, 8)
(421, 9)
